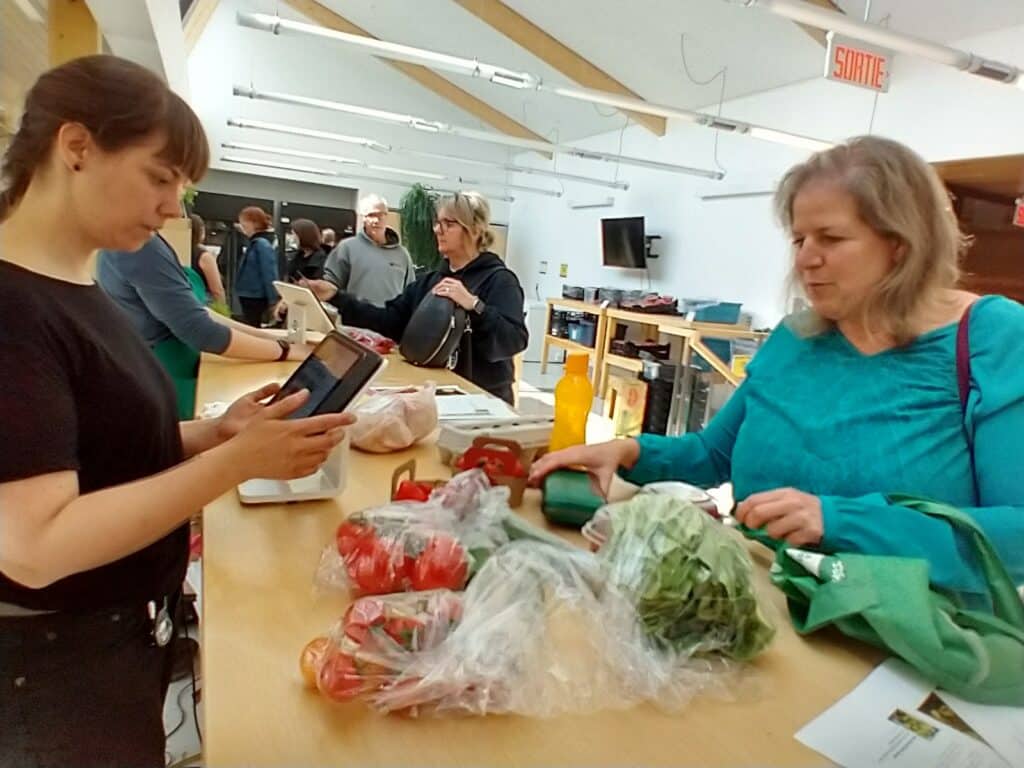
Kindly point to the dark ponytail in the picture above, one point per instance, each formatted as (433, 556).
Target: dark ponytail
(119, 102)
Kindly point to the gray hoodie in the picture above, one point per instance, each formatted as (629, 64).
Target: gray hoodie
(368, 271)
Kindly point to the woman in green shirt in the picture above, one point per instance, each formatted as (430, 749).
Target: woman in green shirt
(858, 398)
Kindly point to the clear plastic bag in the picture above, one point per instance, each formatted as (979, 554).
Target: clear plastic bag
(415, 546)
(393, 421)
(380, 344)
(543, 633)
(376, 640)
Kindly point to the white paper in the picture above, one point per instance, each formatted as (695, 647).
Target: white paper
(456, 407)
(1001, 727)
(888, 720)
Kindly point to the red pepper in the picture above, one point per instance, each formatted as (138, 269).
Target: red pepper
(410, 490)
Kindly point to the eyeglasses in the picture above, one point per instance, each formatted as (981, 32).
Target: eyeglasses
(445, 224)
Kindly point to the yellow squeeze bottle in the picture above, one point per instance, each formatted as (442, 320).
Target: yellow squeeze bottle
(574, 396)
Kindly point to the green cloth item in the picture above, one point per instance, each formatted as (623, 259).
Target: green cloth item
(890, 602)
(182, 361)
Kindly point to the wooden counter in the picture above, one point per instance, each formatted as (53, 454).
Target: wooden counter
(259, 609)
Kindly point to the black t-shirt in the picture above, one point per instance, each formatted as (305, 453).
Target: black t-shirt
(79, 390)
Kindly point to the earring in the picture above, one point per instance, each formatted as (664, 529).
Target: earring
(77, 166)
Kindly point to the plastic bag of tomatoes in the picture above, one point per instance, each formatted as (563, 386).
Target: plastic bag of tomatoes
(375, 641)
(412, 546)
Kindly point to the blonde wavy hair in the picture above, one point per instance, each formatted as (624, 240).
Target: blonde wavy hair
(902, 198)
(473, 212)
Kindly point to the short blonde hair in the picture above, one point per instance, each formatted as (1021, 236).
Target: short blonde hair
(901, 197)
(368, 202)
(473, 212)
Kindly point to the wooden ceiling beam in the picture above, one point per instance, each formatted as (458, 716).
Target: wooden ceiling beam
(555, 54)
(422, 75)
(198, 16)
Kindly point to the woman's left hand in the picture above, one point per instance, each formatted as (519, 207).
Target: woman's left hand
(786, 514)
(244, 410)
(452, 289)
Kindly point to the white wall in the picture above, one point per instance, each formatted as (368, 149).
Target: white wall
(732, 248)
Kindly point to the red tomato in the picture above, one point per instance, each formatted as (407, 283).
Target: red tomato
(441, 565)
(351, 537)
(381, 569)
(402, 630)
(361, 615)
(338, 679)
(311, 658)
(409, 490)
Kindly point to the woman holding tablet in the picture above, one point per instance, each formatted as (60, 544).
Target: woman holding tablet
(97, 477)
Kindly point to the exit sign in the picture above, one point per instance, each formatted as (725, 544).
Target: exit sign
(853, 62)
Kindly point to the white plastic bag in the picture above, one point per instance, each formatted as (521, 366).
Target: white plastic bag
(394, 421)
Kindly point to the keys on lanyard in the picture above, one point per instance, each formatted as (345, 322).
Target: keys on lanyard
(162, 627)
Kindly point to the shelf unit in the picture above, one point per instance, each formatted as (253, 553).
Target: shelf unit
(594, 353)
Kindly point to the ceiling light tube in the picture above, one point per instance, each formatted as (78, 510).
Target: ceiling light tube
(405, 172)
(411, 121)
(346, 175)
(408, 53)
(259, 125)
(516, 187)
(512, 168)
(474, 68)
(291, 152)
(823, 18)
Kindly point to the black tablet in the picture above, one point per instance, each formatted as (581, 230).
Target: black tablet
(335, 373)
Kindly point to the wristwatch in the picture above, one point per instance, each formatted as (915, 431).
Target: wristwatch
(285, 349)
(479, 306)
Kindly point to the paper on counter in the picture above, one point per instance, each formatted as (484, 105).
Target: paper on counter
(895, 718)
(457, 407)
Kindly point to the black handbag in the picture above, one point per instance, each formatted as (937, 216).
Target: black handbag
(432, 337)
(438, 326)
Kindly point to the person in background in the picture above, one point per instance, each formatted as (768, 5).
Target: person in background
(307, 261)
(204, 264)
(258, 268)
(98, 478)
(495, 309)
(153, 289)
(859, 398)
(373, 266)
(330, 239)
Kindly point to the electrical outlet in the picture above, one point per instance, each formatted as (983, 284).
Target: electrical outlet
(563, 270)
(543, 268)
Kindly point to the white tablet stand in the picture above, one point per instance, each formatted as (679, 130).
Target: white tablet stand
(296, 323)
(326, 483)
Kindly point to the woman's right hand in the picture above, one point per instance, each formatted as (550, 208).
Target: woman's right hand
(324, 290)
(601, 462)
(273, 446)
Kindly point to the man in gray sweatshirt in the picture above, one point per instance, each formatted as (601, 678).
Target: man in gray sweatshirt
(373, 265)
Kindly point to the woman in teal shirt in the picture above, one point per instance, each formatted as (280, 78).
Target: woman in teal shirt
(858, 398)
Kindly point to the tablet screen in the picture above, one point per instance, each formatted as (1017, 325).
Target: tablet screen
(324, 372)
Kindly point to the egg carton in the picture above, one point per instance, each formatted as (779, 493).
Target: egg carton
(533, 433)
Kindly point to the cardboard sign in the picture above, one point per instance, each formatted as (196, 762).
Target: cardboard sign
(856, 63)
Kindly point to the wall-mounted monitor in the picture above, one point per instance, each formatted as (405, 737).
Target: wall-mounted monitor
(622, 242)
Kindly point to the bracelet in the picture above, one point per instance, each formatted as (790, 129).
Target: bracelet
(285, 349)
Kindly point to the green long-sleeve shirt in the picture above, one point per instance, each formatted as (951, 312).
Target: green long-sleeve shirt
(818, 415)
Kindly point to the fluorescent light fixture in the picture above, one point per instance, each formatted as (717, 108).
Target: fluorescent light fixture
(473, 134)
(405, 172)
(514, 187)
(512, 168)
(791, 139)
(432, 59)
(823, 18)
(272, 164)
(259, 125)
(491, 72)
(291, 152)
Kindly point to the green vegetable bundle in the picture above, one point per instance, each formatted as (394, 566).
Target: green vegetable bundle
(692, 583)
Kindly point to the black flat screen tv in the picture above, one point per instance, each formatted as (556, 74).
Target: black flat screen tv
(622, 242)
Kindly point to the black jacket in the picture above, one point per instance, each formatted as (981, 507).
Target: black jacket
(499, 334)
(305, 265)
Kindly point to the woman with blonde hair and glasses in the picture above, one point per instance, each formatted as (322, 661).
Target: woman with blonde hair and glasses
(495, 304)
(860, 397)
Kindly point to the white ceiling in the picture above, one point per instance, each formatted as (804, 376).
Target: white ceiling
(637, 42)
